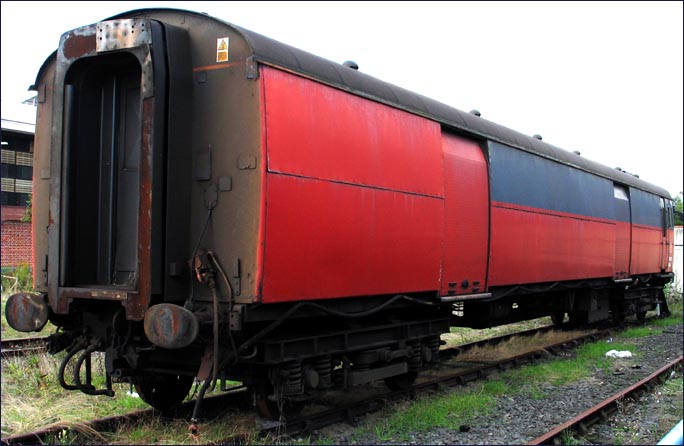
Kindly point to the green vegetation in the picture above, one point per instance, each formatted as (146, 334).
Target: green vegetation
(28, 213)
(32, 396)
(639, 332)
(676, 316)
(569, 437)
(17, 279)
(450, 410)
(445, 410)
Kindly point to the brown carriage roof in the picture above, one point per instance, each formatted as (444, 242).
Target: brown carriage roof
(272, 52)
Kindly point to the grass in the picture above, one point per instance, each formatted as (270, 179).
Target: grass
(442, 410)
(17, 279)
(463, 406)
(640, 332)
(14, 281)
(32, 397)
(464, 335)
(565, 371)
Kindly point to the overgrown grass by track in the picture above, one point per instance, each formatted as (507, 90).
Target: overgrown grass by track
(32, 397)
(464, 335)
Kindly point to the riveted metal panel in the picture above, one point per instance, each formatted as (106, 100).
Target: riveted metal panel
(121, 34)
(535, 245)
(326, 239)
(466, 217)
(319, 132)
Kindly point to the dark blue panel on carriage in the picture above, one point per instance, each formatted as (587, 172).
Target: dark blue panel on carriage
(525, 179)
(645, 208)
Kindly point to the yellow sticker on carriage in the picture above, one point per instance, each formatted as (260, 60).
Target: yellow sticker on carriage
(222, 49)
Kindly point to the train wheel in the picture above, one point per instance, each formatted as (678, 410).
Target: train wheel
(270, 409)
(164, 392)
(579, 318)
(401, 382)
(557, 318)
(641, 317)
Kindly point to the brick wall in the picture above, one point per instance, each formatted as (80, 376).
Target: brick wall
(16, 243)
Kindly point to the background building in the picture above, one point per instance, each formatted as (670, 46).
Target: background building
(18, 128)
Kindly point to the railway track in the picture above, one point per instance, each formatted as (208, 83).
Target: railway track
(349, 412)
(344, 412)
(606, 408)
(23, 346)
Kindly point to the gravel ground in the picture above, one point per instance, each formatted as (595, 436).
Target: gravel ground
(519, 418)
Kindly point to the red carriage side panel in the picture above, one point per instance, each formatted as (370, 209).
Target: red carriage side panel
(326, 240)
(533, 245)
(316, 131)
(550, 222)
(623, 245)
(466, 212)
(353, 202)
(648, 248)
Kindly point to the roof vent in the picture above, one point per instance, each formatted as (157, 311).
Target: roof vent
(351, 64)
(537, 136)
(618, 169)
(577, 152)
(475, 112)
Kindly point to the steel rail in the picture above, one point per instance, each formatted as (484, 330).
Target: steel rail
(603, 410)
(103, 424)
(22, 346)
(237, 397)
(232, 398)
(349, 412)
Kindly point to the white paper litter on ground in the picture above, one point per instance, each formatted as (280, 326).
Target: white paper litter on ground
(617, 354)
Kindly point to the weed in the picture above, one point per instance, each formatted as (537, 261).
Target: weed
(556, 372)
(675, 317)
(673, 386)
(17, 279)
(495, 388)
(569, 437)
(446, 410)
(621, 434)
(536, 393)
(639, 332)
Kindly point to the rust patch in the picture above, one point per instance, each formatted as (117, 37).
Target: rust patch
(170, 326)
(137, 306)
(77, 45)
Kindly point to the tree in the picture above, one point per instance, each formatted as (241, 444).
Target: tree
(26, 218)
(678, 209)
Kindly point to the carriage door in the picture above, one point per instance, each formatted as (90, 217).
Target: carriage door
(623, 232)
(667, 222)
(112, 156)
(466, 212)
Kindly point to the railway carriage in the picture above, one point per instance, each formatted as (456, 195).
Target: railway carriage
(210, 203)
